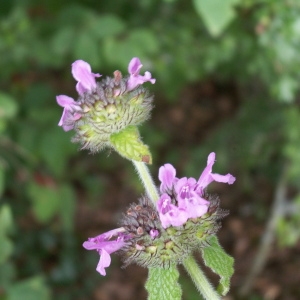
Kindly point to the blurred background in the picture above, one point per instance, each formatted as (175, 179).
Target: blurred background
(227, 80)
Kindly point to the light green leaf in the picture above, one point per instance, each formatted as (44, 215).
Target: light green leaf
(128, 144)
(106, 26)
(6, 219)
(2, 179)
(67, 207)
(45, 200)
(29, 289)
(162, 284)
(8, 106)
(220, 262)
(216, 14)
(6, 248)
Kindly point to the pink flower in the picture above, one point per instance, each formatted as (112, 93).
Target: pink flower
(71, 112)
(105, 246)
(82, 72)
(182, 198)
(135, 78)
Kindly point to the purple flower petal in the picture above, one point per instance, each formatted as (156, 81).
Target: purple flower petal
(71, 112)
(104, 262)
(105, 246)
(167, 177)
(169, 214)
(82, 72)
(135, 79)
(207, 176)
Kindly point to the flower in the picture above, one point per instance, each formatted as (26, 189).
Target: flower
(105, 246)
(71, 112)
(82, 72)
(135, 78)
(183, 198)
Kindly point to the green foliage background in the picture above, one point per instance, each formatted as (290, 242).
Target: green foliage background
(250, 45)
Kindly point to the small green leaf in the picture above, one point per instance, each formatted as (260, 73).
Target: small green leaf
(8, 106)
(128, 144)
(220, 262)
(2, 179)
(30, 289)
(162, 284)
(6, 248)
(6, 219)
(216, 14)
(45, 200)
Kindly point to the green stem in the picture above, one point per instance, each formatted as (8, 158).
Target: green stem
(200, 281)
(147, 180)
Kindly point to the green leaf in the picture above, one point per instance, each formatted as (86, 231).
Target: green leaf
(6, 248)
(8, 106)
(112, 24)
(216, 14)
(46, 201)
(67, 207)
(2, 179)
(162, 284)
(128, 144)
(6, 219)
(220, 262)
(29, 289)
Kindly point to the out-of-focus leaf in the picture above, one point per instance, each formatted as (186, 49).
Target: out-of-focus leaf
(7, 273)
(216, 14)
(6, 219)
(67, 208)
(8, 106)
(2, 178)
(87, 48)
(6, 248)
(107, 26)
(45, 200)
(29, 289)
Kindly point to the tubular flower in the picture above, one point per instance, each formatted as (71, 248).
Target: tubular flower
(105, 246)
(107, 107)
(135, 79)
(184, 198)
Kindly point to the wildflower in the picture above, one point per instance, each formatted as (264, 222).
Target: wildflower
(135, 78)
(71, 112)
(82, 72)
(184, 198)
(107, 108)
(105, 246)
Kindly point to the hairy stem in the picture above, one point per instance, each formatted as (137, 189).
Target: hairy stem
(147, 180)
(200, 280)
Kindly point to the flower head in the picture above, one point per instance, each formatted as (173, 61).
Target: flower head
(184, 198)
(107, 108)
(135, 79)
(105, 246)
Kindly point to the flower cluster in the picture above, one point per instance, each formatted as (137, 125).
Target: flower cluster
(184, 217)
(183, 198)
(105, 107)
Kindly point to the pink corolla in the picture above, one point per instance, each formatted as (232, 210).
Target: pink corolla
(187, 194)
(135, 79)
(82, 72)
(105, 246)
(71, 112)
